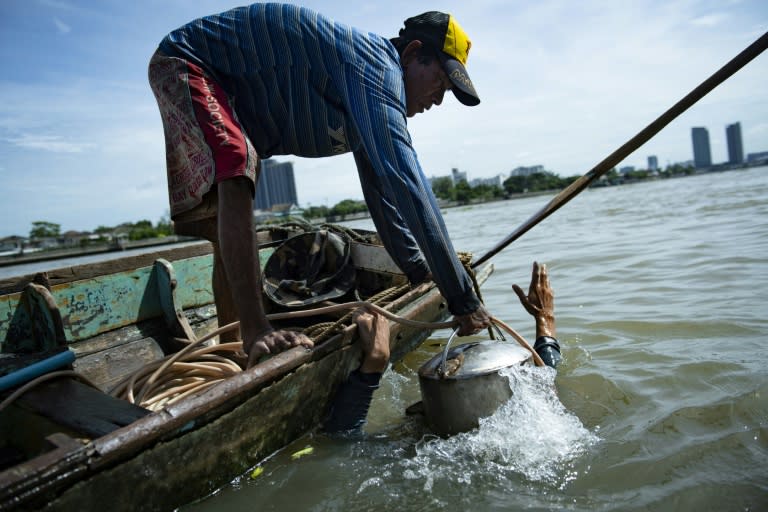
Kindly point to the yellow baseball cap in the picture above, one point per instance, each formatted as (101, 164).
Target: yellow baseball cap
(443, 32)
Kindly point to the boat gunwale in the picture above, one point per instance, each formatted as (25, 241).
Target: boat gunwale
(69, 274)
(246, 383)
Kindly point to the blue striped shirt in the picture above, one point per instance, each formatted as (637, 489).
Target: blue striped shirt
(305, 85)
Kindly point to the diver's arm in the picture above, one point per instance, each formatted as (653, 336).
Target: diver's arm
(350, 406)
(540, 303)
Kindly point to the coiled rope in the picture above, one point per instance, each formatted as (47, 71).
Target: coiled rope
(194, 368)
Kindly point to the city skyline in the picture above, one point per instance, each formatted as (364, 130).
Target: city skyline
(276, 185)
(561, 84)
(702, 153)
(735, 145)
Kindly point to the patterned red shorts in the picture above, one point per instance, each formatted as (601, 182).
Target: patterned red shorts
(204, 142)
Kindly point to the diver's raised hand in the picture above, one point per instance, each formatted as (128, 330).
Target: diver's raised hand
(540, 300)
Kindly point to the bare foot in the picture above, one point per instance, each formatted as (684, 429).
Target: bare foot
(274, 342)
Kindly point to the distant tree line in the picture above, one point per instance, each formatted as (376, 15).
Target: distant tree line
(134, 231)
(443, 188)
(145, 229)
(345, 207)
(669, 172)
(462, 193)
(536, 182)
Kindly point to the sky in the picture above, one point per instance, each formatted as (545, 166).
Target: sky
(563, 84)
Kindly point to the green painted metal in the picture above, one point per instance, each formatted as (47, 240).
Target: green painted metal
(101, 304)
(108, 302)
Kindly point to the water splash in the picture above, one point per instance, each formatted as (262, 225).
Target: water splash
(532, 435)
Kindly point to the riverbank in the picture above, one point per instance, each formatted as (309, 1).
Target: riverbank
(58, 254)
(445, 206)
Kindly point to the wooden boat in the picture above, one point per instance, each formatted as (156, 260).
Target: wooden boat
(68, 446)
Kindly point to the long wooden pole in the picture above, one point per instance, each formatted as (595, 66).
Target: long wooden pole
(633, 144)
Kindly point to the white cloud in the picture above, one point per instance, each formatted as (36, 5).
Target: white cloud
(61, 26)
(709, 20)
(758, 130)
(56, 5)
(52, 143)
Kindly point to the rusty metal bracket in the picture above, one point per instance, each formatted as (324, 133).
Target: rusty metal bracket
(172, 309)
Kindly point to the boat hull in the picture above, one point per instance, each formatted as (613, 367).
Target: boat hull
(190, 448)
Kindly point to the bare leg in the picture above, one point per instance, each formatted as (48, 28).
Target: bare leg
(225, 307)
(238, 256)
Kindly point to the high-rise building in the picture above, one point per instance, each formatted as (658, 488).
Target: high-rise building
(493, 181)
(735, 147)
(760, 157)
(653, 163)
(276, 185)
(702, 156)
(526, 171)
(458, 176)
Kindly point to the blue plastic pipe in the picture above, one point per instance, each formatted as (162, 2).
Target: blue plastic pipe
(35, 370)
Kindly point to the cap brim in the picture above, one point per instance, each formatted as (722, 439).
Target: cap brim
(462, 88)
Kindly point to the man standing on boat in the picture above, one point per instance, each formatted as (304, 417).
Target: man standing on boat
(279, 79)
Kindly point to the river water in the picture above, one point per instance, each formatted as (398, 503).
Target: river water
(661, 401)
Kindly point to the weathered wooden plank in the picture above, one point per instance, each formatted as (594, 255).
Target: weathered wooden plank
(79, 272)
(267, 421)
(93, 299)
(371, 257)
(193, 277)
(108, 367)
(103, 303)
(47, 327)
(15, 324)
(20, 486)
(81, 408)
